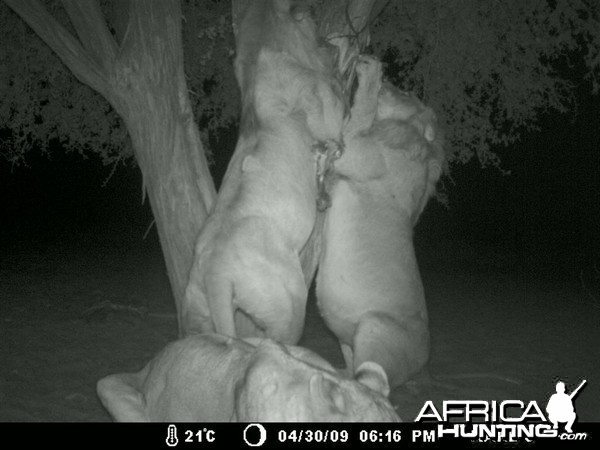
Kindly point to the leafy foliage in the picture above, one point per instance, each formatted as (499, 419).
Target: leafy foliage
(209, 52)
(489, 68)
(42, 105)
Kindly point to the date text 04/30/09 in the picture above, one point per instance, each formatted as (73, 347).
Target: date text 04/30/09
(338, 436)
(313, 436)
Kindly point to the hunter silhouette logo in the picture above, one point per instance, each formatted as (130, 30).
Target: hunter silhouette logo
(560, 406)
(504, 420)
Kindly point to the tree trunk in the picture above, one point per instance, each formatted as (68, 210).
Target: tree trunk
(143, 79)
(152, 98)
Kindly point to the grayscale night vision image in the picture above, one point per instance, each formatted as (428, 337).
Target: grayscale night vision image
(302, 211)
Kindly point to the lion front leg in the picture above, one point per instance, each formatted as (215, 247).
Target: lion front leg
(364, 108)
(194, 317)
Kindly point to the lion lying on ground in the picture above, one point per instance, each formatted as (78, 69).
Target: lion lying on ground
(369, 288)
(247, 278)
(212, 378)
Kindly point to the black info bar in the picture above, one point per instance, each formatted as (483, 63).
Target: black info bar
(296, 435)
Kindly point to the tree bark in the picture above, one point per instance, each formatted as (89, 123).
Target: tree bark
(152, 97)
(143, 79)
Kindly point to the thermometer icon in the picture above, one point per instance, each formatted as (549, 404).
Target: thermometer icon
(172, 436)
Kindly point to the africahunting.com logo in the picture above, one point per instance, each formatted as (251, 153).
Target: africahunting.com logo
(508, 420)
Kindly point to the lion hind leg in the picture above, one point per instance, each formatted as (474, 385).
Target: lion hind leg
(271, 309)
(246, 327)
(285, 321)
(400, 347)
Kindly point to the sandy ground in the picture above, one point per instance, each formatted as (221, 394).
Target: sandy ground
(77, 306)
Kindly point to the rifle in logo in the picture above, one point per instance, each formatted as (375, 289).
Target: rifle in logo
(577, 389)
(560, 406)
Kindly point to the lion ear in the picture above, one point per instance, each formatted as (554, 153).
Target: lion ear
(250, 164)
(374, 377)
(121, 396)
(429, 133)
(327, 391)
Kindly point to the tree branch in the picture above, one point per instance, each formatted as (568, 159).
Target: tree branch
(377, 9)
(344, 24)
(68, 49)
(348, 18)
(90, 24)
